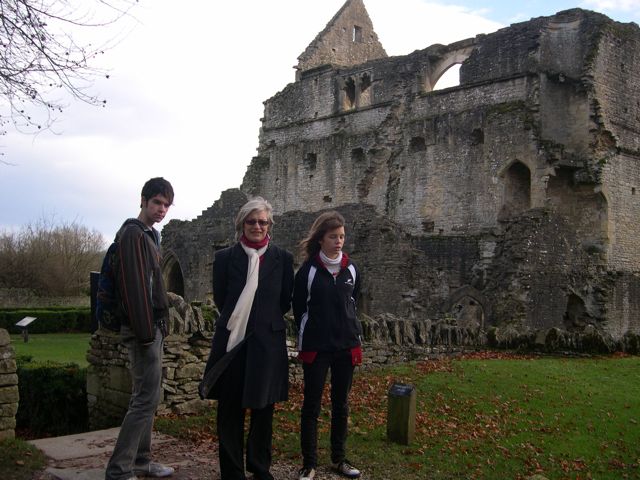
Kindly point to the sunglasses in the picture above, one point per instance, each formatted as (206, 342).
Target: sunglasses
(253, 221)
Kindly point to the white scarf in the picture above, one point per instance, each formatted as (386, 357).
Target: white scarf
(237, 323)
(332, 264)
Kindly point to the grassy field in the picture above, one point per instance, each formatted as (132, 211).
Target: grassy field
(18, 460)
(487, 416)
(57, 347)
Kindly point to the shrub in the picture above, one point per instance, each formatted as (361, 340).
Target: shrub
(53, 398)
(49, 320)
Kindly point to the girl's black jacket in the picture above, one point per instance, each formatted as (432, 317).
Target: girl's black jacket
(324, 307)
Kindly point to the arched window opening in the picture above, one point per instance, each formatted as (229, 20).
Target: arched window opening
(365, 91)
(311, 161)
(356, 34)
(468, 313)
(517, 190)
(450, 78)
(172, 275)
(357, 155)
(349, 88)
(576, 316)
(417, 144)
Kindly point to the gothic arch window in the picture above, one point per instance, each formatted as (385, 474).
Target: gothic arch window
(576, 316)
(469, 308)
(172, 274)
(517, 190)
(449, 78)
(349, 100)
(365, 91)
(446, 72)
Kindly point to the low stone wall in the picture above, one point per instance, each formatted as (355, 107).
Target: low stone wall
(8, 387)
(186, 349)
(387, 340)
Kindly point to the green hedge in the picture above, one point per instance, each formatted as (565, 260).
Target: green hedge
(53, 398)
(49, 320)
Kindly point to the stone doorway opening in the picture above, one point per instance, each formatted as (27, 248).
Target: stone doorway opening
(172, 274)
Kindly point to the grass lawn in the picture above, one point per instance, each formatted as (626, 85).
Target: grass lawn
(57, 347)
(486, 416)
(18, 460)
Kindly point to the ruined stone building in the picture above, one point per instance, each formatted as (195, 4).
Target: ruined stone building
(508, 202)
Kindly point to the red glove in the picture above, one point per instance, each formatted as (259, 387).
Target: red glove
(356, 355)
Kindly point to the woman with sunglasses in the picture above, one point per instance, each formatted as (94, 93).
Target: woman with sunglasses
(248, 364)
(324, 307)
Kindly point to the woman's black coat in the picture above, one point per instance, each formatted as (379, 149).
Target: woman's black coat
(267, 369)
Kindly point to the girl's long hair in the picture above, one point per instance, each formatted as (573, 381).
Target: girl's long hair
(310, 245)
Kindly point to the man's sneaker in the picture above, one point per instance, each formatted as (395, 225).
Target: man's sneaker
(306, 473)
(156, 470)
(345, 469)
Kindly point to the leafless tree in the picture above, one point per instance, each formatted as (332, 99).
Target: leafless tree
(50, 259)
(42, 57)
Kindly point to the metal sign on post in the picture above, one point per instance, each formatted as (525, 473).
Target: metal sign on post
(23, 324)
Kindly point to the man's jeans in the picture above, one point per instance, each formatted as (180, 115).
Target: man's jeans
(133, 447)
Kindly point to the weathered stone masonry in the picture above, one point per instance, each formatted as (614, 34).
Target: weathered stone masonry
(508, 202)
(8, 387)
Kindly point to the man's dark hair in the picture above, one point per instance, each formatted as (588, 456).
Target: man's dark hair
(157, 186)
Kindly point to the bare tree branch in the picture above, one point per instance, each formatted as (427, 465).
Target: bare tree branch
(40, 58)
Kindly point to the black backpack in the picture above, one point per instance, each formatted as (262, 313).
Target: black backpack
(109, 309)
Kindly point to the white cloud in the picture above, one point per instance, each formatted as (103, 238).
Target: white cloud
(614, 5)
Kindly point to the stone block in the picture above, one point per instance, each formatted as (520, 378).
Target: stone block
(191, 370)
(191, 407)
(7, 423)
(8, 409)
(119, 379)
(8, 379)
(117, 398)
(7, 434)
(9, 394)
(8, 365)
(5, 339)
(94, 384)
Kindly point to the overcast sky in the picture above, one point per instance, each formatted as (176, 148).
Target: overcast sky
(185, 97)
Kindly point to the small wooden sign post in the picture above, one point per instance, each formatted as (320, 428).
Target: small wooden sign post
(401, 413)
(23, 324)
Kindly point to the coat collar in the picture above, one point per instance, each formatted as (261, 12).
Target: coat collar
(270, 260)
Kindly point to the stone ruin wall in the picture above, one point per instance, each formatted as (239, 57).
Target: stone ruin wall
(348, 38)
(548, 99)
(8, 387)
(509, 201)
(186, 350)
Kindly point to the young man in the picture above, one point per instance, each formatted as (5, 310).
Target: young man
(141, 288)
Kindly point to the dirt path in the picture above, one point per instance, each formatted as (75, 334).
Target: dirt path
(191, 461)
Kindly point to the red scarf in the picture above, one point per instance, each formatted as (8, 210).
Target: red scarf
(256, 245)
